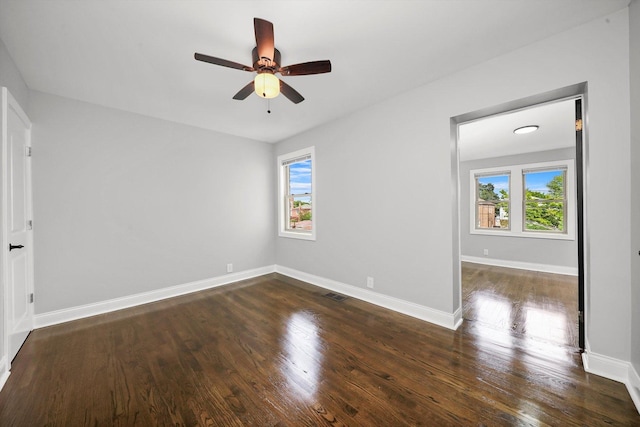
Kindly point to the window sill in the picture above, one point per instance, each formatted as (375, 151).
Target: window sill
(297, 235)
(524, 234)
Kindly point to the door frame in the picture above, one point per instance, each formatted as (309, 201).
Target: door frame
(9, 102)
(576, 91)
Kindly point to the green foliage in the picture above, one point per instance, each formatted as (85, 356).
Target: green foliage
(545, 211)
(556, 187)
(487, 192)
(305, 216)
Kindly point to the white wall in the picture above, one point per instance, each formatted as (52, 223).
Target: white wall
(12, 79)
(634, 49)
(391, 164)
(547, 252)
(125, 204)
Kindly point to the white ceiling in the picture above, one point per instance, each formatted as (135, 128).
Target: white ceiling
(493, 136)
(137, 55)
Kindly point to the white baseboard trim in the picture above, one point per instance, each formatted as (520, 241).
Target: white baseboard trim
(634, 386)
(4, 372)
(88, 310)
(457, 318)
(450, 321)
(606, 366)
(614, 369)
(440, 318)
(545, 268)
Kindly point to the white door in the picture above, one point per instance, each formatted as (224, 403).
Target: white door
(17, 225)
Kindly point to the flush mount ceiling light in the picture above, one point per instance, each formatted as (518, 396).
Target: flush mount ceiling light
(526, 129)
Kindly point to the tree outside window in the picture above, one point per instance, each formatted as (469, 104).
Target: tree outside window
(545, 200)
(541, 193)
(492, 201)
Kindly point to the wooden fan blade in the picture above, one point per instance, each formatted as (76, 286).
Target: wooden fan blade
(223, 62)
(306, 68)
(264, 38)
(244, 92)
(290, 93)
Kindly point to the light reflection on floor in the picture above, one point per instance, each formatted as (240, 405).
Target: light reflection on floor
(544, 324)
(493, 310)
(507, 305)
(535, 305)
(303, 354)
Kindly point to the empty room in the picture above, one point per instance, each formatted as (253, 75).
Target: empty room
(518, 200)
(320, 212)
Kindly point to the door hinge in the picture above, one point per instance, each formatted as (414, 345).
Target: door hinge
(30, 224)
(31, 297)
(578, 125)
(581, 316)
(27, 151)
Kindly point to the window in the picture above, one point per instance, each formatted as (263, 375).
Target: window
(296, 207)
(545, 201)
(524, 200)
(492, 201)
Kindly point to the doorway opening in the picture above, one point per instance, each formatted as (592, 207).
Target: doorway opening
(520, 242)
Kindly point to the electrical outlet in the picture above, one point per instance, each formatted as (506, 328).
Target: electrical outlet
(229, 268)
(370, 282)
(485, 252)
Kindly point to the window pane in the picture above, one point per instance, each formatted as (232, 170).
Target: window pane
(544, 216)
(298, 197)
(546, 184)
(492, 201)
(545, 200)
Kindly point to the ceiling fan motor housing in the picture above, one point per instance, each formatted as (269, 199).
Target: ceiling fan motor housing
(264, 65)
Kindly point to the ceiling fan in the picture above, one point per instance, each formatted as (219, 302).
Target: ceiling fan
(266, 62)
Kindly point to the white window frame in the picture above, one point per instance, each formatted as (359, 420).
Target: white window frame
(476, 176)
(516, 198)
(564, 201)
(283, 211)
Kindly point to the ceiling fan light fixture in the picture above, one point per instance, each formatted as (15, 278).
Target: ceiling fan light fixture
(525, 129)
(266, 62)
(266, 85)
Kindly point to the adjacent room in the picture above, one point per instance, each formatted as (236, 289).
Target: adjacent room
(320, 212)
(518, 242)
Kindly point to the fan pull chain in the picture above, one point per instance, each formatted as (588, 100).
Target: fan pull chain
(268, 106)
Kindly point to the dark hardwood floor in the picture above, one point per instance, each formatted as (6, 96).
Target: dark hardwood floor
(530, 304)
(273, 351)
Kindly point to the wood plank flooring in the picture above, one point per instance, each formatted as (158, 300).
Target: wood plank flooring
(530, 304)
(273, 351)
